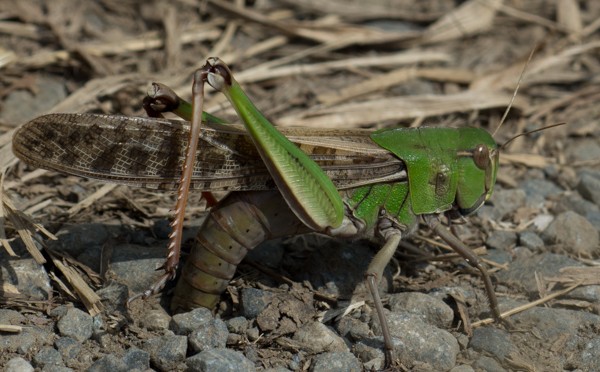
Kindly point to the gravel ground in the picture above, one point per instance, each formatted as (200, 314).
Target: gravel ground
(540, 231)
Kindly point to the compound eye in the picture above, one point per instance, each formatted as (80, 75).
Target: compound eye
(481, 157)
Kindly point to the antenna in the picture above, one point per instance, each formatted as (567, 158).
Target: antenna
(505, 144)
(512, 100)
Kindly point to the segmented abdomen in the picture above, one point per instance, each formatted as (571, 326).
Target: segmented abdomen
(236, 225)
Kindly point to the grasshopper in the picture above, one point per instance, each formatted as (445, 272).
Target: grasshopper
(343, 183)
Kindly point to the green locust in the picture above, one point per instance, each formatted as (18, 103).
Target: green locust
(343, 183)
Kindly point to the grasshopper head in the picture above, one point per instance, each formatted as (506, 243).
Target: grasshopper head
(478, 159)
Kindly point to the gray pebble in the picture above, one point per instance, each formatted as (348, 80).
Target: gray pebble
(253, 334)
(585, 149)
(531, 240)
(574, 234)
(572, 201)
(210, 335)
(136, 265)
(491, 340)
(49, 91)
(521, 273)
(353, 328)
(114, 296)
(79, 239)
(499, 256)
(28, 277)
(253, 301)
(501, 240)
(487, 364)
(336, 361)
(551, 324)
(30, 338)
(589, 358)
(505, 202)
(589, 187)
(463, 368)
(167, 352)
(594, 219)
(136, 359)
(316, 337)
(76, 324)
(54, 368)
(238, 325)
(219, 360)
(433, 346)
(47, 356)
(18, 364)
(430, 309)
(538, 190)
(68, 347)
(108, 363)
(156, 320)
(185, 323)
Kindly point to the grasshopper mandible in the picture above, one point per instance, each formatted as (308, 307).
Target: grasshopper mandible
(344, 183)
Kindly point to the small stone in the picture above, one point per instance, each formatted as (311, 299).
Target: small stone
(316, 337)
(253, 334)
(186, 323)
(108, 363)
(53, 368)
(463, 368)
(28, 340)
(219, 360)
(574, 234)
(49, 91)
(136, 265)
(574, 202)
(76, 324)
(253, 301)
(114, 296)
(550, 324)
(18, 364)
(589, 187)
(68, 347)
(589, 357)
(530, 240)
(505, 202)
(155, 320)
(521, 273)
(28, 277)
(420, 342)
(47, 356)
(499, 256)
(353, 328)
(80, 239)
(430, 309)
(238, 325)
(585, 149)
(167, 351)
(501, 240)
(210, 335)
(537, 187)
(336, 361)
(487, 364)
(136, 359)
(491, 340)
